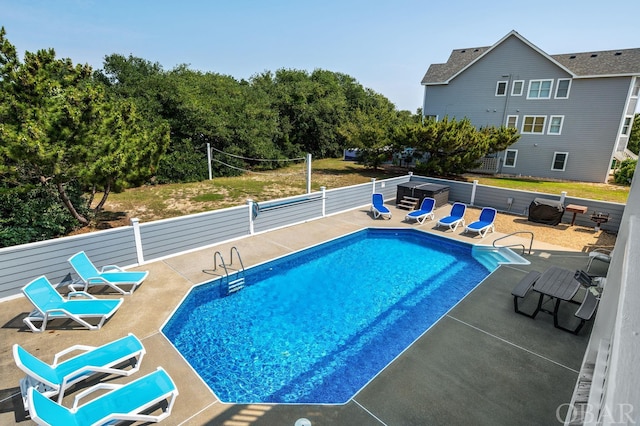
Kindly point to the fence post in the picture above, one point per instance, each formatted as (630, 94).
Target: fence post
(373, 185)
(473, 192)
(563, 194)
(324, 200)
(135, 222)
(308, 173)
(251, 218)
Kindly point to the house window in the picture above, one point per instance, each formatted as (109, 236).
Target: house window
(636, 88)
(559, 161)
(430, 118)
(533, 124)
(555, 124)
(501, 88)
(512, 121)
(540, 89)
(516, 88)
(562, 90)
(626, 126)
(510, 157)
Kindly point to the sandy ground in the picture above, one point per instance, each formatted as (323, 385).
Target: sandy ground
(575, 237)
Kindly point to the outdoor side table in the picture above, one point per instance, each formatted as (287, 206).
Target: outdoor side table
(575, 209)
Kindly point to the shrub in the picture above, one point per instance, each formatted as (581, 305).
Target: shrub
(183, 164)
(624, 175)
(34, 213)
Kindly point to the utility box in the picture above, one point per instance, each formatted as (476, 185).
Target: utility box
(415, 192)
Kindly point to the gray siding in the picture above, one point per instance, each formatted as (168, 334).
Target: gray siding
(49, 258)
(281, 213)
(167, 237)
(592, 113)
(351, 197)
(388, 187)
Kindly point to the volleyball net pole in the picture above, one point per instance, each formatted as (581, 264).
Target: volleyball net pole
(209, 160)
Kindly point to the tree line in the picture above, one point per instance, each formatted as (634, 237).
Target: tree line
(70, 134)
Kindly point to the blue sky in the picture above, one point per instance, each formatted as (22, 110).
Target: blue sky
(385, 45)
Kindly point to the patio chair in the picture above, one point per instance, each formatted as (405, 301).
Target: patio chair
(54, 379)
(602, 255)
(49, 304)
(485, 222)
(455, 218)
(111, 275)
(378, 208)
(425, 211)
(126, 402)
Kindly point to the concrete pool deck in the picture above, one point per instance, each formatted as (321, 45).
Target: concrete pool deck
(481, 364)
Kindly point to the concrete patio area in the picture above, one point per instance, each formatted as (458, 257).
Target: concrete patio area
(480, 364)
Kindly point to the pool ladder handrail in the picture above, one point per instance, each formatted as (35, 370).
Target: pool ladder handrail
(231, 286)
(516, 245)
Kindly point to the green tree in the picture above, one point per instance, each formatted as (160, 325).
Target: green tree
(452, 147)
(127, 153)
(59, 126)
(624, 174)
(310, 108)
(634, 138)
(372, 129)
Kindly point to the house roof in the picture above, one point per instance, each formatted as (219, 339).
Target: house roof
(581, 65)
(602, 63)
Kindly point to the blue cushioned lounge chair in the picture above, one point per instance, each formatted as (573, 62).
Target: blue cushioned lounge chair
(378, 208)
(484, 223)
(111, 275)
(54, 379)
(455, 218)
(49, 304)
(121, 403)
(425, 211)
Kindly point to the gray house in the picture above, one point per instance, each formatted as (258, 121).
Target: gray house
(574, 111)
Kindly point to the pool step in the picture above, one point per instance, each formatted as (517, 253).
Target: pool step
(235, 285)
(492, 257)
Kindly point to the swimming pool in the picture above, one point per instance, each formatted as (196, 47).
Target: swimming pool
(317, 325)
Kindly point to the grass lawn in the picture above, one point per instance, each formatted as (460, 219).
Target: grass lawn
(164, 201)
(594, 191)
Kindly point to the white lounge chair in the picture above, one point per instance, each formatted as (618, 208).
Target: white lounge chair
(378, 208)
(455, 218)
(49, 304)
(111, 275)
(126, 402)
(485, 222)
(424, 212)
(54, 379)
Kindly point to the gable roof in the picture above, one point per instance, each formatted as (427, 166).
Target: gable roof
(622, 62)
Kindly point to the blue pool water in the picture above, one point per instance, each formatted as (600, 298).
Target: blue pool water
(316, 326)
